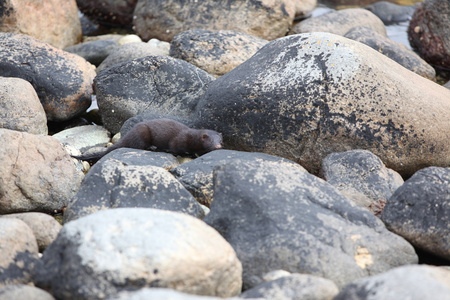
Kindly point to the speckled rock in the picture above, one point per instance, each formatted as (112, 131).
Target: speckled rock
(129, 248)
(216, 52)
(109, 12)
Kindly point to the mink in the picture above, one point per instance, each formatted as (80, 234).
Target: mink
(164, 135)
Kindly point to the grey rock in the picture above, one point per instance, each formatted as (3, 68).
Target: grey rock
(21, 108)
(84, 137)
(415, 282)
(305, 96)
(156, 84)
(129, 248)
(395, 51)
(23, 292)
(294, 287)
(94, 51)
(161, 294)
(197, 175)
(216, 52)
(420, 211)
(63, 81)
(391, 13)
(131, 180)
(278, 217)
(362, 177)
(447, 85)
(19, 252)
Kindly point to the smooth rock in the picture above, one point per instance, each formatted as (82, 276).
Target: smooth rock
(23, 292)
(165, 19)
(19, 252)
(37, 173)
(109, 12)
(279, 217)
(45, 228)
(305, 96)
(419, 211)
(162, 294)
(197, 175)
(157, 84)
(51, 21)
(429, 33)
(415, 282)
(131, 181)
(63, 81)
(395, 51)
(94, 51)
(303, 7)
(362, 177)
(216, 52)
(391, 13)
(340, 22)
(21, 108)
(128, 248)
(84, 137)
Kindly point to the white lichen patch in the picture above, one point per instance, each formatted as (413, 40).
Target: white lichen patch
(362, 257)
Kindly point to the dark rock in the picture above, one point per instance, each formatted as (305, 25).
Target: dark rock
(419, 211)
(109, 12)
(278, 217)
(391, 13)
(406, 282)
(305, 96)
(429, 33)
(23, 292)
(135, 179)
(94, 51)
(63, 81)
(216, 52)
(156, 84)
(165, 19)
(197, 175)
(395, 51)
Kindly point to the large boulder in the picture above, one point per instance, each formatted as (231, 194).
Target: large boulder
(279, 217)
(305, 96)
(63, 81)
(52, 21)
(267, 19)
(127, 248)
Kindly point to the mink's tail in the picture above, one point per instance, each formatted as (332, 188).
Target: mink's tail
(93, 157)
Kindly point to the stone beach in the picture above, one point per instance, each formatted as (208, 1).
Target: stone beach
(333, 181)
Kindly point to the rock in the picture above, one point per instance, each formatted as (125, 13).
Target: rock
(161, 294)
(165, 19)
(129, 38)
(349, 2)
(109, 12)
(156, 84)
(391, 13)
(340, 22)
(303, 7)
(84, 137)
(295, 286)
(362, 177)
(407, 282)
(63, 81)
(19, 252)
(21, 108)
(37, 174)
(128, 52)
(60, 27)
(45, 228)
(130, 248)
(297, 222)
(419, 211)
(23, 292)
(197, 175)
(429, 33)
(131, 181)
(94, 51)
(447, 85)
(395, 51)
(216, 52)
(305, 96)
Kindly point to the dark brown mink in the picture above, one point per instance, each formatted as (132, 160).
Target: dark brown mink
(164, 135)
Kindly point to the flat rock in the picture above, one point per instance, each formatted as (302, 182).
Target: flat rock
(23, 292)
(419, 211)
(162, 294)
(305, 96)
(63, 81)
(129, 248)
(157, 84)
(94, 51)
(117, 181)
(21, 108)
(279, 217)
(415, 282)
(84, 137)
(37, 173)
(216, 52)
(165, 19)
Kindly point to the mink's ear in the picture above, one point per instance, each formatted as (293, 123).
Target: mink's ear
(204, 136)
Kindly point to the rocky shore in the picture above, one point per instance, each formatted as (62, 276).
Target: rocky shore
(334, 177)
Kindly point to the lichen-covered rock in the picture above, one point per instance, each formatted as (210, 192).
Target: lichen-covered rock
(63, 81)
(120, 249)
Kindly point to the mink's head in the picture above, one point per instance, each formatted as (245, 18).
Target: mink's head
(210, 140)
